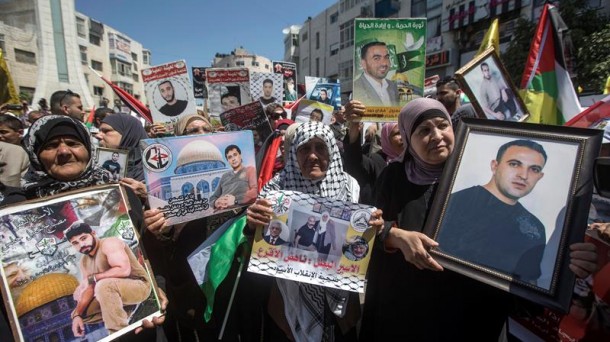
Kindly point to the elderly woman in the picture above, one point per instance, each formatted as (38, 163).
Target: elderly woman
(125, 132)
(192, 124)
(60, 151)
(408, 298)
(313, 166)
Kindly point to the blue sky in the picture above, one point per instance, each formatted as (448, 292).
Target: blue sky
(195, 30)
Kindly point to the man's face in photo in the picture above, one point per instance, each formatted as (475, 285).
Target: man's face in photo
(275, 230)
(359, 250)
(167, 91)
(230, 102)
(517, 173)
(323, 95)
(234, 158)
(486, 72)
(376, 62)
(115, 157)
(311, 222)
(84, 243)
(315, 116)
(267, 89)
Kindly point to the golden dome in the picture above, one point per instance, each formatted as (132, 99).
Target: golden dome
(400, 77)
(199, 150)
(45, 289)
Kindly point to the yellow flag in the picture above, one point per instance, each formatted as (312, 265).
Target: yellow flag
(607, 87)
(7, 88)
(492, 38)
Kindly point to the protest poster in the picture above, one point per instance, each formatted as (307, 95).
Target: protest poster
(200, 89)
(168, 92)
(289, 73)
(314, 240)
(113, 160)
(228, 88)
(324, 90)
(190, 177)
(266, 87)
(252, 117)
(392, 54)
(53, 251)
(307, 109)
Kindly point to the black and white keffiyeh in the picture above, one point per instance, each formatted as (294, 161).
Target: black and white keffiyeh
(37, 182)
(304, 304)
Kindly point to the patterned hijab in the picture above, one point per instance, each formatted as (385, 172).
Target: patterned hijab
(392, 152)
(411, 115)
(304, 303)
(37, 182)
(132, 132)
(333, 185)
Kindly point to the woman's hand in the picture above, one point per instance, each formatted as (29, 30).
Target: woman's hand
(156, 321)
(376, 221)
(414, 247)
(259, 213)
(583, 259)
(138, 187)
(603, 230)
(155, 222)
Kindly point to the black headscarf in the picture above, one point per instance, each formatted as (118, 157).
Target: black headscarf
(132, 132)
(38, 182)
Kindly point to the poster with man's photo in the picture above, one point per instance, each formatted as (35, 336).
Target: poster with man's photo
(311, 110)
(266, 87)
(60, 263)
(190, 177)
(251, 117)
(389, 65)
(288, 71)
(228, 88)
(324, 90)
(113, 161)
(314, 240)
(168, 92)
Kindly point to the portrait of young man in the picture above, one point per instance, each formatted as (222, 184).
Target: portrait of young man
(267, 97)
(173, 105)
(238, 185)
(372, 88)
(488, 225)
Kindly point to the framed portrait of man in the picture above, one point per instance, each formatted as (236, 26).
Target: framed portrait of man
(512, 198)
(113, 161)
(490, 90)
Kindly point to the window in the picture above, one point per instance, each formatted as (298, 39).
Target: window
(267, 66)
(83, 54)
(29, 92)
(81, 29)
(25, 56)
(317, 66)
(304, 37)
(346, 34)
(95, 39)
(346, 70)
(135, 77)
(2, 42)
(126, 86)
(120, 68)
(334, 17)
(98, 91)
(146, 57)
(255, 63)
(240, 63)
(317, 40)
(134, 56)
(96, 32)
(418, 8)
(295, 39)
(96, 65)
(334, 49)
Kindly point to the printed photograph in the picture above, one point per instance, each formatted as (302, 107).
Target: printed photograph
(113, 160)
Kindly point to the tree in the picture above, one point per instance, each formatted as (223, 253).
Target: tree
(593, 61)
(516, 54)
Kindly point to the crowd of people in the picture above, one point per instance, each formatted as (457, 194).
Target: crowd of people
(409, 296)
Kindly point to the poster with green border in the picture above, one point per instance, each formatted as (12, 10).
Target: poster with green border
(392, 69)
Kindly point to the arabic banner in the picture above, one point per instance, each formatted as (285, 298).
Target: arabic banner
(190, 177)
(389, 65)
(289, 73)
(252, 117)
(55, 256)
(315, 240)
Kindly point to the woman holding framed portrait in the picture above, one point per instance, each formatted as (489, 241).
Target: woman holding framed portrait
(409, 295)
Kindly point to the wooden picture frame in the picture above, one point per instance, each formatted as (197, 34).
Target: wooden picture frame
(512, 198)
(482, 90)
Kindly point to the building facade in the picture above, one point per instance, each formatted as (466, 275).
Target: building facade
(241, 58)
(48, 46)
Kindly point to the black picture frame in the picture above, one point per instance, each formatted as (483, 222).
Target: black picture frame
(565, 197)
(470, 77)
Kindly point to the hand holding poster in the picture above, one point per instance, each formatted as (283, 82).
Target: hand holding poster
(190, 177)
(56, 256)
(389, 65)
(315, 240)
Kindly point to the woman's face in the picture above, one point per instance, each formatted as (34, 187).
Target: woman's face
(313, 158)
(433, 140)
(197, 127)
(64, 158)
(108, 137)
(395, 138)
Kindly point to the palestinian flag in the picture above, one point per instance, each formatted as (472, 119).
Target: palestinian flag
(547, 90)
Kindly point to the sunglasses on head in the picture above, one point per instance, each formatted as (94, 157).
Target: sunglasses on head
(68, 92)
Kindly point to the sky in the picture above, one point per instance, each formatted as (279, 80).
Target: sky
(195, 30)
